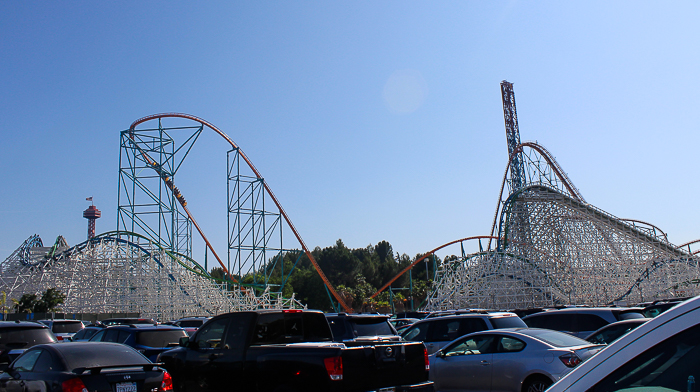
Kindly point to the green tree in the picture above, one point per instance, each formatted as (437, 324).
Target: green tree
(50, 300)
(25, 304)
(217, 273)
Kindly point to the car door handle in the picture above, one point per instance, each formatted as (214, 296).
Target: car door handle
(485, 363)
(214, 356)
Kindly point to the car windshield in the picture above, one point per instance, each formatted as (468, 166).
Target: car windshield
(556, 338)
(67, 327)
(508, 322)
(18, 338)
(163, 338)
(371, 326)
(670, 365)
(87, 355)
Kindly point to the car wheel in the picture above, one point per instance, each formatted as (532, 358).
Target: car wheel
(537, 384)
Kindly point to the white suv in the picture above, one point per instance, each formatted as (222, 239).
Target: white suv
(64, 329)
(661, 355)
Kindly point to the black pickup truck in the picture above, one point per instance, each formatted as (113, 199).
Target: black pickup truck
(289, 350)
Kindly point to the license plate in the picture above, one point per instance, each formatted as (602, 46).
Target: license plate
(126, 387)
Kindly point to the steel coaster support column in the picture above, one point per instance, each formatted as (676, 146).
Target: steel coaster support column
(253, 232)
(148, 199)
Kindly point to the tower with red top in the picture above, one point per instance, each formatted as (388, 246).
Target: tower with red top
(92, 213)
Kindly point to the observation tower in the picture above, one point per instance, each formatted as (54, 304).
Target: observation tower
(92, 213)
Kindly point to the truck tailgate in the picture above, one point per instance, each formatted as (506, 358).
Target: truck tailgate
(384, 365)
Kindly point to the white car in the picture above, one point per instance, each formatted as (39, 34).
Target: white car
(663, 355)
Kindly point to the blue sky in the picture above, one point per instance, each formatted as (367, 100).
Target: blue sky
(308, 91)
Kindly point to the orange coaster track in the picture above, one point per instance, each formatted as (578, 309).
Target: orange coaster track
(252, 167)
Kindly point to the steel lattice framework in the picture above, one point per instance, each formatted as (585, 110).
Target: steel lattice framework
(151, 156)
(553, 248)
(111, 273)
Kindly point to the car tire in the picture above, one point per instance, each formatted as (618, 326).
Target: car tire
(537, 384)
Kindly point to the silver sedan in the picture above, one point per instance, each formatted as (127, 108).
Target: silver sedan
(513, 360)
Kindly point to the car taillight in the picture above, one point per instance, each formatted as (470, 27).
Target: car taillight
(59, 337)
(570, 360)
(167, 383)
(73, 385)
(427, 360)
(292, 311)
(334, 367)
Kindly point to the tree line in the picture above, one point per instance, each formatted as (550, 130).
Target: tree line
(49, 301)
(355, 274)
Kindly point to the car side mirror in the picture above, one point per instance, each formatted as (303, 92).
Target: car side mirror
(440, 354)
(184, 341)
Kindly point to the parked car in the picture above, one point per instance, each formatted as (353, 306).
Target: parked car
(86, 333)
(614, 331)
(69, 367)
(513, 359)
(436, 332)
(150, 340)
(452, 312)
(402, 322)
(660, 355)
(190, 324)
(290, 350)
(657, 307)
(580, 321)
(17, 336)
(412, 314)
(361, 328)
(127, 321)
(63, 329)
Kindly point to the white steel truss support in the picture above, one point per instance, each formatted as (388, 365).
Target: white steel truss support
(111, 275)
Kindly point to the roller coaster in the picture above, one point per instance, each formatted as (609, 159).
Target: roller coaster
(146, 265)
(547, 245)
(553, 248)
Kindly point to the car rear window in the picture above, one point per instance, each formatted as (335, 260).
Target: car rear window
(159, 338)
(190, 323)
(274, 328)
(85, 333)
(66, 326)
(371, 326)
(450, 328)
(90, 355)
(23, 338)
(508, 322)
(337, 325)
(556, 338)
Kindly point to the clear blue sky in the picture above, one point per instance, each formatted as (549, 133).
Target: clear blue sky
(305, 89)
